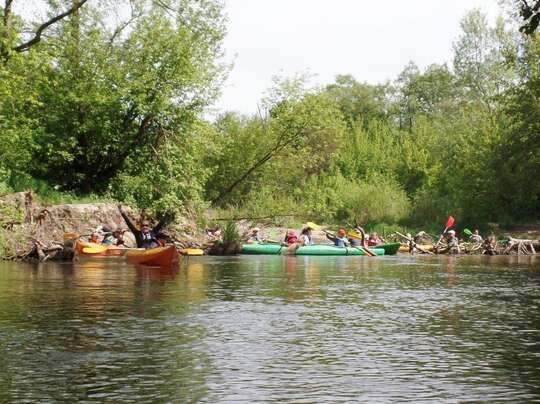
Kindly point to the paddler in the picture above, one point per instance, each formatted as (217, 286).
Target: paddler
(305, 236)
(476, 237)
(291, 237)
(374, 240)
(94, 238)
(453, 241)
(145, 236)
(340, 239)
(255, 236)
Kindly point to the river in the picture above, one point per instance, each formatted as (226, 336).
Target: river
(272, 328)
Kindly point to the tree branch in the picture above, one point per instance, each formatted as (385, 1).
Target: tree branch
(37, 35)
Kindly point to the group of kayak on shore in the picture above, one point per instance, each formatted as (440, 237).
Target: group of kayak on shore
(341, 238)
(358, 238)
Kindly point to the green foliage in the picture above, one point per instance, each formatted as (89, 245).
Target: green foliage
(376, 199)
(102, 110)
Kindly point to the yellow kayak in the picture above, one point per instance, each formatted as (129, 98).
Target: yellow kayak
(404, 248)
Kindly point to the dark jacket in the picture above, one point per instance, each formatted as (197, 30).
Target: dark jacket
(149, 240)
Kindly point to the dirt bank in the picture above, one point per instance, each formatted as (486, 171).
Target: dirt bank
(26, 224)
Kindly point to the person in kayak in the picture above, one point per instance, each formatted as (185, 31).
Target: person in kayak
(340, 239)
(476, 237)
(255, 236)
(290, 238)
(374, 240)
(453, 242)
(146, 236)
(305, 236)
(94, 238)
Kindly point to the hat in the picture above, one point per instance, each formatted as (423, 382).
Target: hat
(451, 232)
(255, 229)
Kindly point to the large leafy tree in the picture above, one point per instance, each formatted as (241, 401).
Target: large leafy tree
(116, 95)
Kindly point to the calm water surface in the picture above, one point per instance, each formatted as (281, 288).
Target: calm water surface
(287, 329)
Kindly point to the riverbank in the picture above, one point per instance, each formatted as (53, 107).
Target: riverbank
(29, 229)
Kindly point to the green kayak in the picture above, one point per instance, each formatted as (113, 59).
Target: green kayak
(389, 248)
(317, 249)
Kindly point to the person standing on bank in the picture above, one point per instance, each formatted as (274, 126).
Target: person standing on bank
(146, 236)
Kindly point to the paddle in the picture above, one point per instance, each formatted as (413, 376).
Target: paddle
(94, 250)
(365, 250)
(414, 244)
(449, 224)
(467, 232)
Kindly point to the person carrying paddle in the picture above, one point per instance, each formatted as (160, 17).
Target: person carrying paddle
(340, 239)
(146, 236)
(452, 241)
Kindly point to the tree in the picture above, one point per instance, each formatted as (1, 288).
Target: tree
(295, 139)
(480, 56)
(530, 13)
(10, 38)
(109, 103)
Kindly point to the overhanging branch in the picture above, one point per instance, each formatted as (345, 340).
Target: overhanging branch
(37, 35)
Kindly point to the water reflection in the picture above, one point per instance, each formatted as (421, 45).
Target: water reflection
(272, 329)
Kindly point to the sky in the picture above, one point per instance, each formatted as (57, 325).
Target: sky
(371, 40)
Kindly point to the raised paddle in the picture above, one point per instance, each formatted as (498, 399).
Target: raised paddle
(449, 224)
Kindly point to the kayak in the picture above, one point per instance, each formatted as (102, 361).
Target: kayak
(156, 257)
(317, 249)
(191, 251)
(390, 248)
(405, 247)
(86, 249)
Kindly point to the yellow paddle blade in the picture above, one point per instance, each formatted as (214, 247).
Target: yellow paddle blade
(94, 250)
(314, 226)
(354, 235)
(192, 251)
(70, 236)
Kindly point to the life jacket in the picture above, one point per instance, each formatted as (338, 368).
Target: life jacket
(149, 240)
(291, 239)
(341, 242)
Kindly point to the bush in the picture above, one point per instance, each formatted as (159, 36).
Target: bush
(376, 199)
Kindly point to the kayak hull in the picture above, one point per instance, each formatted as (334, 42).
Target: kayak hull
(318, 249)
(156, 257)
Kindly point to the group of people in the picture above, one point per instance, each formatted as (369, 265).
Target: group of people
(341, 239)
(145, 235)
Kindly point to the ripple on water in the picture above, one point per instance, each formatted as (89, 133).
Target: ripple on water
(310, 329)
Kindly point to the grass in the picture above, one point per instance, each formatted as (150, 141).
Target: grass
(49, 195)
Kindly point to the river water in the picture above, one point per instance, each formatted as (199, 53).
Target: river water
(271, 328)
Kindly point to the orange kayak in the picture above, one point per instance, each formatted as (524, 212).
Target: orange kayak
(86, 249)
(157, 257)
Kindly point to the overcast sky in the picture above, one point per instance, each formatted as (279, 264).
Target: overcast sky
(372, 40)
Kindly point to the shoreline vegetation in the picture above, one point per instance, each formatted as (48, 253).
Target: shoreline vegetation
(98, 111)
(35, 232)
